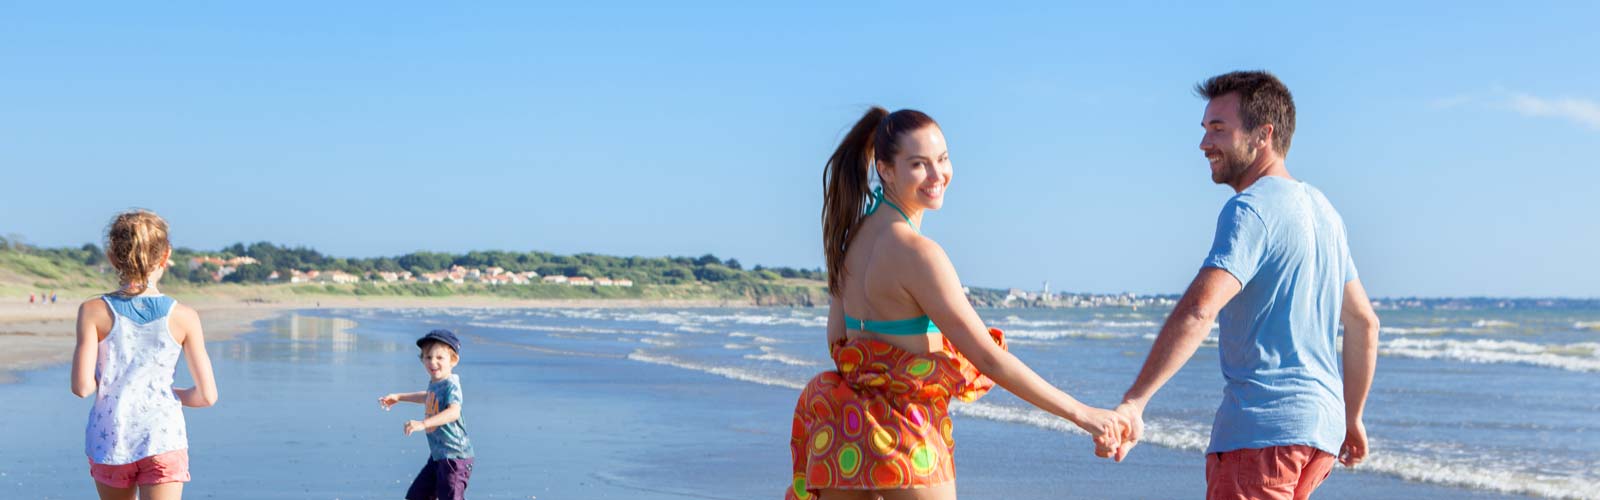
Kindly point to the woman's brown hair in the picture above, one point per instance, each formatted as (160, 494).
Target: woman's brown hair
(136, 245)
(846, 180)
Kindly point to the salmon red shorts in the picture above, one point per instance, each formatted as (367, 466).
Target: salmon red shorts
(172, 466)
(1279, 472)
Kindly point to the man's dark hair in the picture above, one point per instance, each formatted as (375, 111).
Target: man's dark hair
(1263, 99)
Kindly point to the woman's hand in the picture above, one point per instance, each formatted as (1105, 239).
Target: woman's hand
(1106, 427)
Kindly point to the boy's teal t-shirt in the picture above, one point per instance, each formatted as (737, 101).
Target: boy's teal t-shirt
(449, 440)
(1277, 340)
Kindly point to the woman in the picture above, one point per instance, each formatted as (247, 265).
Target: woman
(901, 332)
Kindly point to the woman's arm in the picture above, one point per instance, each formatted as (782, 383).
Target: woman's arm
(932, 282)
(204, 392)
(836, 327)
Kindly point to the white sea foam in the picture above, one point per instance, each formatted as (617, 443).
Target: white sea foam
(572, 329)
(1191, 436)
(1579, 357)
(1414, 330)
(736, 346)
(752, 319)
(1493, 323)
(1066, 334)
(770, 354)
(1587, 325)
(1480, 473)
(739, 374)
(658, 342)
(755, 338)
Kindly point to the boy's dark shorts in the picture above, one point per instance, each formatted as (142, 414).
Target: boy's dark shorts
(441, 480)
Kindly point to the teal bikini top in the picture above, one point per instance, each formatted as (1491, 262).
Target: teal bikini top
(920, 325)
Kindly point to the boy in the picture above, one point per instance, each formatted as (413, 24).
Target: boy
(450, 453)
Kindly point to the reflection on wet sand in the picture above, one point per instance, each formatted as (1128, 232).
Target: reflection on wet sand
(298, 338)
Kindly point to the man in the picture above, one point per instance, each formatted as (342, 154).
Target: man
(1278, 280)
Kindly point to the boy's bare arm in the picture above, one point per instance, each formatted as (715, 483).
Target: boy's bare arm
(413, 397)
(445, 416)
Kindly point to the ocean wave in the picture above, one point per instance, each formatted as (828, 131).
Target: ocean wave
(1579, 357)
(1493, 323)
(1413, 330)
(729, 372)
(770, 354)
(658, 342)
(736, 346)
(1066, 334)
(1479, 473)
(1095, 323)
(572, 329)
(755, 338)
(750, 319)
(1190, 436)
(1587, 325)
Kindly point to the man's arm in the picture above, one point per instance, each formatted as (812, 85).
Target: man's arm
(1360, 361)
(1185, 327)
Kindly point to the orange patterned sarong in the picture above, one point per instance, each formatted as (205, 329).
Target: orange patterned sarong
(881, 420)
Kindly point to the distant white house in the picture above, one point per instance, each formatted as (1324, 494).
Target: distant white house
(554, 279)
(580, 281)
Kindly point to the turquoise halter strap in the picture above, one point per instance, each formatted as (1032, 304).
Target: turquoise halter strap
(920, 325)
(878, 200)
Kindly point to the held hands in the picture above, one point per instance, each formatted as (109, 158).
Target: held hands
(414, 426)
(388, 401)
(1354, 449)
(1109, 430)
(1133, 414)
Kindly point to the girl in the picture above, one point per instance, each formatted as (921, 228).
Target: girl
(128, 346)
(901, 332)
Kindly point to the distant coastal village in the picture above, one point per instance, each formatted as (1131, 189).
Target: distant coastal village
(26, 269)
(220, 268)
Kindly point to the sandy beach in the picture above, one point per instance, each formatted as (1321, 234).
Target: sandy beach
(39, 335)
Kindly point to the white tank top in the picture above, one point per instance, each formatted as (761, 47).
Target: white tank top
(135, 413)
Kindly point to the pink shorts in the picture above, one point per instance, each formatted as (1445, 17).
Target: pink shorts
(172, 466)
(1279, 472)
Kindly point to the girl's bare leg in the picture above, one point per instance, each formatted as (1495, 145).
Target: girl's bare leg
(163, 491)
(109, 493)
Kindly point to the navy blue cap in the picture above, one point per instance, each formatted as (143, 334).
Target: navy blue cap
(445, 336)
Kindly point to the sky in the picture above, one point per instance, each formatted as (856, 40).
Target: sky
(1459, 140)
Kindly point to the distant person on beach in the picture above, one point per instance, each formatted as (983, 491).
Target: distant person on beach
(128, 346)
(1278, 280)
(52, 296)
(903, 337)
(30, 298)
(450, 455)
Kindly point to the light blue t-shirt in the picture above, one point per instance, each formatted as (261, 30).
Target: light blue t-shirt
(448, 440)
(1286, 245)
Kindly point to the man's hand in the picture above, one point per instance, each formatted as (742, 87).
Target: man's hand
(1135, 415)
(1354, 449)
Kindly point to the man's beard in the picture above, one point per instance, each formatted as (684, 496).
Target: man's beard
(1233, 165)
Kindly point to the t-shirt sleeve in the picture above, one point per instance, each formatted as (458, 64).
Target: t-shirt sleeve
(451, 396)
(1349, 262)
(1240, 242)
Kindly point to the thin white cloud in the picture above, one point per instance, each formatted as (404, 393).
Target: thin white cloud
(1583, 111)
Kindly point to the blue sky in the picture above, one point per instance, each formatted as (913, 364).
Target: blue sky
(1459, 140)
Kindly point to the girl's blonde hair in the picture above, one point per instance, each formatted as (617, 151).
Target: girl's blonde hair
(136, 245)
